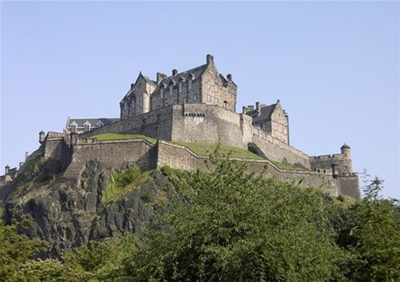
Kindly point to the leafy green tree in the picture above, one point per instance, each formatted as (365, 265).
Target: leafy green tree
(15, 251)
(373, 235)
(229, 225)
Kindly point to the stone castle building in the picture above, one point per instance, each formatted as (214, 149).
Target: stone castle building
(197, 105)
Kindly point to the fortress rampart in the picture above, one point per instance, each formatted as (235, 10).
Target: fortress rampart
(148, 156)
(204, 123)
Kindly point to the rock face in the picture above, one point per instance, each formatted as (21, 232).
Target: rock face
(68, 212)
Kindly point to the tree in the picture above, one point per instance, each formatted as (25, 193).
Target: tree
(15, 251)
(227, 224)
(373, 235)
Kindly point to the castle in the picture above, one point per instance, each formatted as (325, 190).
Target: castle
(197, 105)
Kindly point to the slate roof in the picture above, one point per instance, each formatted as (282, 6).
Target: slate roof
(92, 121)
(197, 72)
(265, 114)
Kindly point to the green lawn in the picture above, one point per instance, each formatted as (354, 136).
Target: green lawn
(207, 148)
(116, 136)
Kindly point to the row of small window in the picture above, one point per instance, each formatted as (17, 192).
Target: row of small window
(133, 104)
(171, 88)
(185, 100)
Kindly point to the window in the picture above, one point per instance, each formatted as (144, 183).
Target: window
(215, 87)
(216, 101)
(225, 104)
(73, 128)
(86, 127)
(125, 106)
(208, 98)
(190, 84)
(180, 87)
(194, 97)
(170, 89)
(185, 100)
(140, 102)
(162, 93)
(133, 104)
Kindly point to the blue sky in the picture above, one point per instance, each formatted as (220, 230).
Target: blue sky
(333, 65)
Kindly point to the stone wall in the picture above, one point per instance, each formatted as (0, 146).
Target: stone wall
(348, 185)
(216, 90)
(53, 145)
(339, 164)
(156, 124)
(116, 153)
(208, 124)
(179, 157)
(277, 150)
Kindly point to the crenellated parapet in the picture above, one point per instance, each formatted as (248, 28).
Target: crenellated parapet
(338, 164)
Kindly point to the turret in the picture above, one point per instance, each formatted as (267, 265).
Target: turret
(345, 150)
(74, 136)
(41, 136)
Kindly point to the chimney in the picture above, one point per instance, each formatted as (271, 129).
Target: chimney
(229, 77)
(26, 156)
(160, 76)
(41, 136)
(6, 170)
(174, 72)
(258, 106)
(132, 85)
(210, 59)
(21, 164)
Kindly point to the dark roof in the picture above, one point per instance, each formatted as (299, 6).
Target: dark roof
(197, 72)
(265, 114)
(92, 121)
(148, 79)
(345, 146)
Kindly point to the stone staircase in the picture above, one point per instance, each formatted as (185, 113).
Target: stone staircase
(73, 172)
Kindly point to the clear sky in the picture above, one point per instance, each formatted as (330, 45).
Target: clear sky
(333, 65)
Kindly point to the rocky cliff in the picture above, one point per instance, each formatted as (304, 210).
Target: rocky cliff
(70, 208)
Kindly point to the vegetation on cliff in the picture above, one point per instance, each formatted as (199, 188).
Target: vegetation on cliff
(228, 225)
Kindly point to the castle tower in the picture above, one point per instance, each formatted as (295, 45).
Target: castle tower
(345, 150)
(346, 165)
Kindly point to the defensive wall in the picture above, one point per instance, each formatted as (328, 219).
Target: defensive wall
(148, 156)
(204, 123)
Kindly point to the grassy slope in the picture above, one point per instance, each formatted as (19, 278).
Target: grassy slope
(115, 136)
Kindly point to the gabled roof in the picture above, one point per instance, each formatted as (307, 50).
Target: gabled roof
(196, 72)
(147, 79)
(93, 121)
(265, 113)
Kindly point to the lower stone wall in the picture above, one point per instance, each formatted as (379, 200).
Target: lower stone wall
(180, 157)
(116, 153)
(277, 150)
(349, 185)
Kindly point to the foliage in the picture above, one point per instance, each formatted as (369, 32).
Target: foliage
(229, 225)
(15, 251)
(116, 136)
(372, 233)
(36, 172)
(122, 182)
